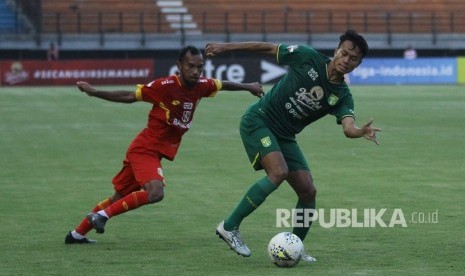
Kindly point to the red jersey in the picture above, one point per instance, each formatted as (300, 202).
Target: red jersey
(171, 115)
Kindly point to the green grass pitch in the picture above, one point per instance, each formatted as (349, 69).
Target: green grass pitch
(60, 149)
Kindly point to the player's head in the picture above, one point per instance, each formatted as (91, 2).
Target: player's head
(358, 41)
(352, 48)
(190, 65)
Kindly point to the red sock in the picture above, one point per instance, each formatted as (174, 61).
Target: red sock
(84, 227)
(129, 202)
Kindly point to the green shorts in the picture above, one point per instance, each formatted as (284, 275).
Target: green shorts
(259, 140)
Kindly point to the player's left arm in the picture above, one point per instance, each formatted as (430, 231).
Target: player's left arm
(367, 131)
(254, 88)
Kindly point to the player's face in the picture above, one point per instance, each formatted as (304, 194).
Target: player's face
(191, 69)
(347, 57)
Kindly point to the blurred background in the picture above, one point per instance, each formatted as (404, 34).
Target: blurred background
(57, 41)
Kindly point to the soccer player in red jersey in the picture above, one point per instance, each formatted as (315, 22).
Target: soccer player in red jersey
(174, 98)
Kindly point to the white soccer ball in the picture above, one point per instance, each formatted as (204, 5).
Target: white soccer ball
(285, 249)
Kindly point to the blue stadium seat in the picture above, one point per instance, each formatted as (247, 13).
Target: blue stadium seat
(9, 22)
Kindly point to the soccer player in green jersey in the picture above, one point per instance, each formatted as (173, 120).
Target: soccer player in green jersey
(313, 87)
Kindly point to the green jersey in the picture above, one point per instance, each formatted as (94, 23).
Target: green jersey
(304, 94)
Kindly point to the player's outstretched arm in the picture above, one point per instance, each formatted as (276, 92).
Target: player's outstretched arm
(112, 96)
(255, 88)
(267, 48)
(367, 131)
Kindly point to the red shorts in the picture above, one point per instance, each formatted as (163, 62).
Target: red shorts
(138, 169)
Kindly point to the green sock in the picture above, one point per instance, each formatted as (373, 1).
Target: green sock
(254, 197)
(301, 232)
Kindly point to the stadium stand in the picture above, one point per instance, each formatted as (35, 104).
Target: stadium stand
(9, 21)
(86, 16)
(404, 16)
(244, 16)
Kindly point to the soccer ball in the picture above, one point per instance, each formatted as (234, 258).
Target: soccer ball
(285, 249)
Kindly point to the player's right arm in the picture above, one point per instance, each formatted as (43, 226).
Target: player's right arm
(112, 96)
(267, 48)
(367, 131)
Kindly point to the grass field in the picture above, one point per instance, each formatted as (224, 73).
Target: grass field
(60, 149)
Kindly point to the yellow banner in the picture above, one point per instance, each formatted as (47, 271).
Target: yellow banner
(461, 70)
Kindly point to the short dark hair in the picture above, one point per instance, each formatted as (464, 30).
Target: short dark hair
(357, 39)
(188, 49)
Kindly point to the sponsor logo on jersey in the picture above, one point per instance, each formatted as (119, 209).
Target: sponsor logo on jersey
(303, 100)
(310, 99)
(316, 93)
(188, 105)
(183, 125)
(292, 48)
(175, 102)
(165, 82)
(313, 74)
(186, 116)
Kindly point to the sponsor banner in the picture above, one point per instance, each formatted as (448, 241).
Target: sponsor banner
(461, 70)
(240, 69)
(109, 72)
(401, 71)
(371, 71)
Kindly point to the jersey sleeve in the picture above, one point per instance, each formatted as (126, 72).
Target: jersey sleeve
(294, 54)
(139, 92)
(210, 87)
(149, 92)
(219, 84)
(344, 109)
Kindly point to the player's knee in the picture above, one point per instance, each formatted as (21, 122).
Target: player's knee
(308, 195)
(278, 175)
(156, 196)
(155, 191)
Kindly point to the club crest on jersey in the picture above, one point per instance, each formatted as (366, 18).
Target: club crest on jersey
(332, 99)
(175, 102)
(266, 141)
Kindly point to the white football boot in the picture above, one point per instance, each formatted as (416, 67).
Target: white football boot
(233, 239)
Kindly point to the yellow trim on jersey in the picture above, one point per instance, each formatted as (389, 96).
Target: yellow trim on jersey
(167, 112)
(177, 79)
(256, 160)
(219, 86)
(348, 115)
(139, 92)
(277, 53)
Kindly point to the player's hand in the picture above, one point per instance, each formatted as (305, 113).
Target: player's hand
(256, 89)
(85, 87)
(370, 132)
(214, 49)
